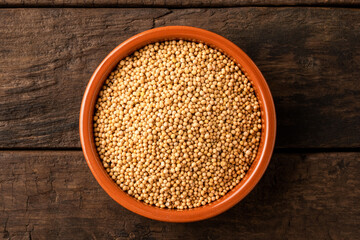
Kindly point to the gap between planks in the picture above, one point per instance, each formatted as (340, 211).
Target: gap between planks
(276, 150)
(329, 5)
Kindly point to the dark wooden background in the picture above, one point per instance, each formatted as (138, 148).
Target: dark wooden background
(309, 52)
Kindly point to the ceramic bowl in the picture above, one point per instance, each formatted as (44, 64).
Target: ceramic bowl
(263, 94)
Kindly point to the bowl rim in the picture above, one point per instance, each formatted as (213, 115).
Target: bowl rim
(263, 94)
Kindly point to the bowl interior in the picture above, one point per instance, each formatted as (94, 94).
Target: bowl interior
(267, 113)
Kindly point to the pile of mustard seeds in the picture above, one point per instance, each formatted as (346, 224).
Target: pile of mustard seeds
(177, 124)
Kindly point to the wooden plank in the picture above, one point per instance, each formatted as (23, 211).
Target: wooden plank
(174, 3)
(309, 56)
(52, 195)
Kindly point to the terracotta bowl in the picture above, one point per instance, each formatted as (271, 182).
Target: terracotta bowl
(256, 170)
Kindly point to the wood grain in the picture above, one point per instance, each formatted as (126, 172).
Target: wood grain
(309, 56)
(173, 3)
(52, 195)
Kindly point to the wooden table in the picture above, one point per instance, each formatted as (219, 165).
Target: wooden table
(309, 52)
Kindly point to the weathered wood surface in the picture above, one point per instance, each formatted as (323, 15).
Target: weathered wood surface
(309, 56)
(173, 3)
(52, 195)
